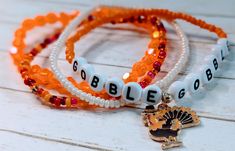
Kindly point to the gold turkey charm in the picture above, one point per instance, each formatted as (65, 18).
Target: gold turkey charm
(166, 122)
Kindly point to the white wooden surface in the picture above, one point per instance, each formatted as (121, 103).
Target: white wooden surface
(27, 125)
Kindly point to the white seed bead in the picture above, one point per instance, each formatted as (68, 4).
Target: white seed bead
(96, 82)
(178, 90)
(212, 60)
(206, 74)
(78, 62)
(114, 87)
(194, 82)
(224, 43)
(86, 71)
(132, 92)
(151, 95)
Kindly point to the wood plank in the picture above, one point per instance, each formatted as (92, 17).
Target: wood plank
(117, 130)
(27, 143)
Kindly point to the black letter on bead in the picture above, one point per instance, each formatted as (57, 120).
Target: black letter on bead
(196, 84)
(181, 93)
(222, 54)
(150, 96)
(112, 89)
(75, 66)
(94, 82)
(83, 74)
(215, 63)
(208, 74)
(128, 94)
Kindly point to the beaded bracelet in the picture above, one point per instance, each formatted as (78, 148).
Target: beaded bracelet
(37, 75)
(132, 91)
(87, 97)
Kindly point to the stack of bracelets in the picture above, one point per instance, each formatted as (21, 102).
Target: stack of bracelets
(139, 86)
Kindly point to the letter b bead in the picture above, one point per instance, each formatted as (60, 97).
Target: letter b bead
(152, 95)
(132, 92)
(96, 82)
(114, 87)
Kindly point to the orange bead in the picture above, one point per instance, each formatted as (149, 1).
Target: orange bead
(40, 20)
(51, 18)
(28, 24)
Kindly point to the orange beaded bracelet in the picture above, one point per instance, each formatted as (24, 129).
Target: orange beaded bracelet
(35, 76)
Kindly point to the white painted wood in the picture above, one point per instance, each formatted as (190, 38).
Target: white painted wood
(25, 124)
(117, 130)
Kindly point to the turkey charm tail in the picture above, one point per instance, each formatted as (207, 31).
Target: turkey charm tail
(166, 122)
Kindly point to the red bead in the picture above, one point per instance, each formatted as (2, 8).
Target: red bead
(157, 66)
(34, 52)
(162, 55)
(23, 70)
(90, 18)
(113, 22)
(141, 19)
(74, 101)
(57, 101)
(63, 101)
(153, 20)
(39, 91)
(47, 41)
(29, 82)
(143, 83)
(151, 74)
(132, 19)
(52, 99)
(162, 46)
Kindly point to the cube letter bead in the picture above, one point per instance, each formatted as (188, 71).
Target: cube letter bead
(96, 82)
(86, 71)
(78, 62)
(178, 90)
(132, 92)
(114, 87)
(152, 95)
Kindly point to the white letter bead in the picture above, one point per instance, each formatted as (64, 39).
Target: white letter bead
(218, 52)
(206, 74)
(86, 71)
(194, 82)
(152, 95)
(213, 62)
(224, 43)
(96, 82)
(132, 92)
(114, 87)
(178, 90)
(78, 62)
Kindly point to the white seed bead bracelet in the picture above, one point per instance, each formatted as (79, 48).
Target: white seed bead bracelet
(86, 70)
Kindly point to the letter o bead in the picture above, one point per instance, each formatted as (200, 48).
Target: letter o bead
(114, 87)
(152, 95)
(86, 71)
(132, 92)
(194, 82)
(96, 82)
(178, 90)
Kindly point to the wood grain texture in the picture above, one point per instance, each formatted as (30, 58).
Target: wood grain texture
(27, 125)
